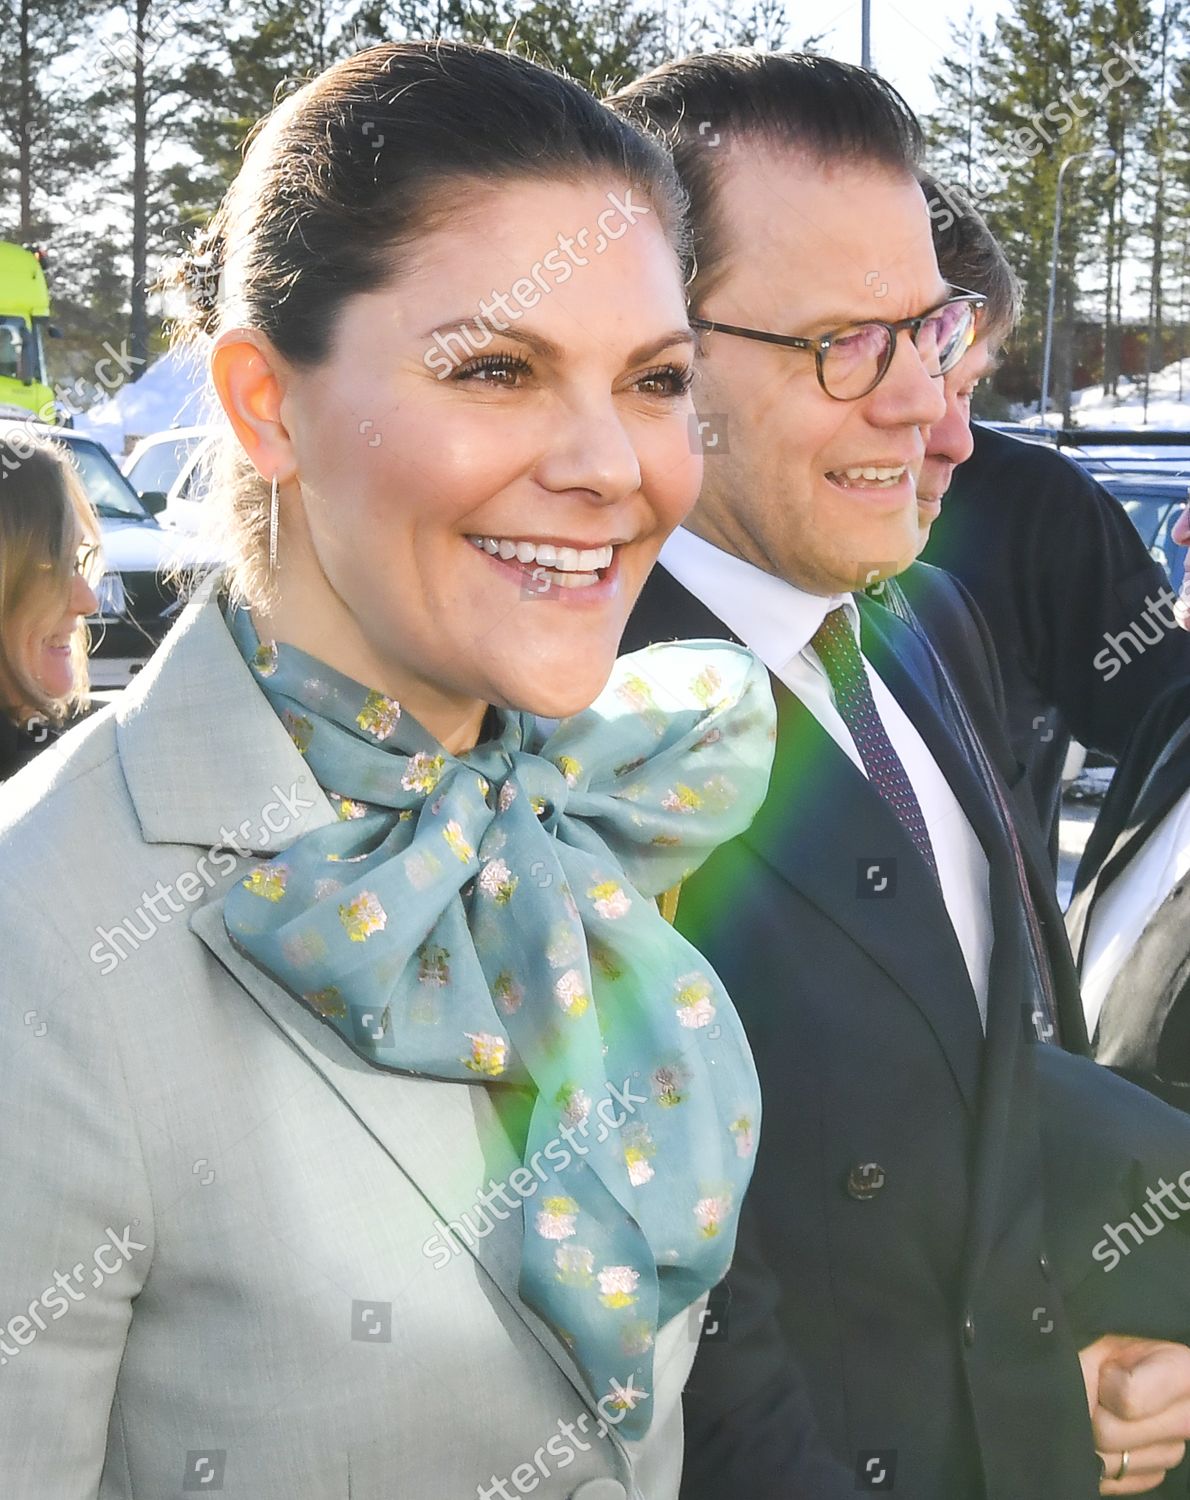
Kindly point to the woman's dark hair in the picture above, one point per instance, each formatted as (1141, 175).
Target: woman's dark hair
(969, 255)
(831, 111)
(345, 173)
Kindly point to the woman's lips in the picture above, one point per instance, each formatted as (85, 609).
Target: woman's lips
(536, 581)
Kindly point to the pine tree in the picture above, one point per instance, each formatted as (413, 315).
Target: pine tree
(955, 129)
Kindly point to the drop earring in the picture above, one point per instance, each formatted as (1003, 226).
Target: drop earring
(274, 517)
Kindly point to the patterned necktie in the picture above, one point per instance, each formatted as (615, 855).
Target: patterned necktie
(835, 643)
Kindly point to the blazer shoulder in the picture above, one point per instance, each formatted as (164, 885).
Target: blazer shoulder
(53, 813)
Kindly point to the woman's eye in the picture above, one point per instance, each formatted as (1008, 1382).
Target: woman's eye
(669, 380)
(494, 369)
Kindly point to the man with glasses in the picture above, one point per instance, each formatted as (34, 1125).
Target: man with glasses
(883, 927)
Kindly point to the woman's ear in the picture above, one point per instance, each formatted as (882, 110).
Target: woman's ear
(248, 376)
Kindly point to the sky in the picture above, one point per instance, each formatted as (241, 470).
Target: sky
(909, 37)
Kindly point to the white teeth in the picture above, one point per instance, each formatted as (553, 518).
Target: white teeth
(872, 474)
(569, 580)
(582, 565)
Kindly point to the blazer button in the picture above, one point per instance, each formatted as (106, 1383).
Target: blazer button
(865, 1179)
(969, 1330)
(600, 1489)
(1043, 1261)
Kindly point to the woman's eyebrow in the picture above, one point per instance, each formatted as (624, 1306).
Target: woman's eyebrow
(545, 347)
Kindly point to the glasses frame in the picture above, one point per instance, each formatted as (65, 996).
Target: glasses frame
(89, 563)
(820, 346)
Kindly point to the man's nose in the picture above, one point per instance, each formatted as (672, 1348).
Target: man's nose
(908, 395)
(951, 438)
(1181, 528)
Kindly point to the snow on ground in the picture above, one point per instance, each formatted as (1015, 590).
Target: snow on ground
(1169, 403)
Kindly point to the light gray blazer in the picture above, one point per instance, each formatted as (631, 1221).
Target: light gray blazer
(212, 1269)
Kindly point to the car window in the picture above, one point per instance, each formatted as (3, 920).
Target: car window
(107, 489)
(1146, 514)
(12, 342)
(160, 465)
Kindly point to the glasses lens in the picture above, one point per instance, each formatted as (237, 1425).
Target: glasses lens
(855, 360)
(946, 335)
(89, 564)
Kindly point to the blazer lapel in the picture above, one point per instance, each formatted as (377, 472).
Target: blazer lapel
(445, 1137)
(1166, 781)
(208, 763)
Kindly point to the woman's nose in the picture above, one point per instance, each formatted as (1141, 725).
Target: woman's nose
(83, 600)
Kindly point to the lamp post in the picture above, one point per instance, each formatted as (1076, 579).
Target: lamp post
(866, 34)
(1100, 153)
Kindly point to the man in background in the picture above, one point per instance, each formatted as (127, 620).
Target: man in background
(1129, 919)
(1051, 559)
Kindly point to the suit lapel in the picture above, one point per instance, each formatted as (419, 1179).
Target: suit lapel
(1161, 788)
(837, 862)
(907, 669)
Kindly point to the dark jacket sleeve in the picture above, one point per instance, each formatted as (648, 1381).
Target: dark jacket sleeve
(1074, 577)
(750, 1425)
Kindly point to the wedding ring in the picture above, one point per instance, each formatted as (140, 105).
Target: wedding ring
(1125, 1460)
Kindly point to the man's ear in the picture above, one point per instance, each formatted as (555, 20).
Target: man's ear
(249, 375)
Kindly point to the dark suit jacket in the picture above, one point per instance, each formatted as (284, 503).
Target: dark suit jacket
(1056, 567)
(1144, 1026)
(900, 1242)
(19, 745)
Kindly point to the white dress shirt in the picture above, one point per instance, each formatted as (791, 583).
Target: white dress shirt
(1129, 904)
(777, 621)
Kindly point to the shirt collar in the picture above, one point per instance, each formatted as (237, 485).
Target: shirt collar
(775, 619)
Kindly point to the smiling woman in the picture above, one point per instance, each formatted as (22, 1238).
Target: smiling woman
(440, 502)
(49, 549)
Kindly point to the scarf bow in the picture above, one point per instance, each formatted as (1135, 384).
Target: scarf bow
(485, 918)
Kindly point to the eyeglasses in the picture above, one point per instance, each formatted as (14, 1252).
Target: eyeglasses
(89, 563)
(852, 361)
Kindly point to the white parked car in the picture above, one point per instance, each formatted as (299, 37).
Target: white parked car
(174, 463)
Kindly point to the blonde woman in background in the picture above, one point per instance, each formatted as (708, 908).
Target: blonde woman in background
(49, 563)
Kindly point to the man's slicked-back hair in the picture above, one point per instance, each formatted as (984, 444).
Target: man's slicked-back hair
(969, 255)
(832, 112)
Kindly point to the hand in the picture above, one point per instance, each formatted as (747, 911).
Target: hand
(1138, 1392)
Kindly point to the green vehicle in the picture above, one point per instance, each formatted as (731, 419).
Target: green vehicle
(24, 322)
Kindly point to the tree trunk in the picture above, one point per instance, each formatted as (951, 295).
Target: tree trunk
(25, 126)
(139, 319)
